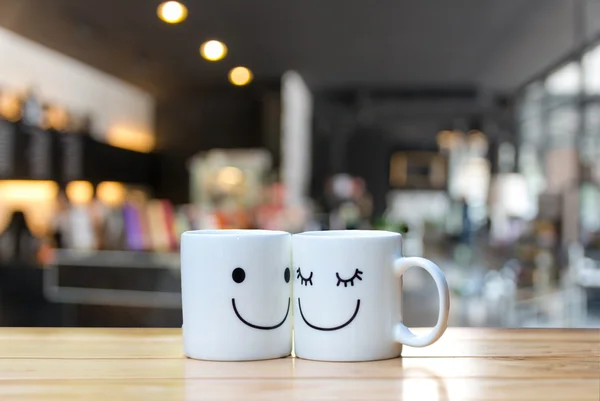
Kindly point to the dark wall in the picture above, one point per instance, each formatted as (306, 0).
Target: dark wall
(213, 117)
(217, 117)
(369, 158)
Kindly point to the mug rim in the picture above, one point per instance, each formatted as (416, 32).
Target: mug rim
(349, 234)
(233, 232)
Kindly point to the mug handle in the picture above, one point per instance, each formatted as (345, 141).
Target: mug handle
(402, 334)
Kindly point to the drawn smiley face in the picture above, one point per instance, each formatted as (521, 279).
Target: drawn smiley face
(308, 281)
(238, 275)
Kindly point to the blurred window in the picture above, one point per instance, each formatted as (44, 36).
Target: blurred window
(563, 125)
(565, 81)
(530, 114)
(590, 141)
(590, 212)
(563, 86)
(591, 70)
(531, 102)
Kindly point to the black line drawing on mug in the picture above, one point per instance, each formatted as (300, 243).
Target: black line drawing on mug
(239, 275)
(357, 275)
(329, 328)
(255, 326)
(304, 281)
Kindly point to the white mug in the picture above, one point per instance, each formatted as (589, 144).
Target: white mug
(236, 294)
(347, 296)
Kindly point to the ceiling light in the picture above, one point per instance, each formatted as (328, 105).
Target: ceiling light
(213, 50)
(172, 12)
(240, 76)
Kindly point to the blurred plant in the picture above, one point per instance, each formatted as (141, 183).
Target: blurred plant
(383, 224)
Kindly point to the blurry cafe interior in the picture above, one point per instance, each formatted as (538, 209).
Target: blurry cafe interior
(471, 127)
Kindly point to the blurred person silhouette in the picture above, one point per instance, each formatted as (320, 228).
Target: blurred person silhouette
(465, 235)
(17, 242)
(60, 221)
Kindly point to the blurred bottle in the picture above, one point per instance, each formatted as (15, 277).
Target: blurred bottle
(33, 111)
(112, 235)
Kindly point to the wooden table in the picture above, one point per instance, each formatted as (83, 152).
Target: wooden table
(147, 364)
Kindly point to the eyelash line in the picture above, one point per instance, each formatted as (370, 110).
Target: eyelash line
(304, 281)
(356, 275)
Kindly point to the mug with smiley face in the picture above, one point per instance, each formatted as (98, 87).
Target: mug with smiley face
(236, 294)
(348, 293)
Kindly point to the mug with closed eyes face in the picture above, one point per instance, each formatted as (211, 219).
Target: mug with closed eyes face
(236, 294)
(347, 296)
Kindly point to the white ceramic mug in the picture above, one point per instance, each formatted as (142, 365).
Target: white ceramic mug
(347, 296)
(236, 294)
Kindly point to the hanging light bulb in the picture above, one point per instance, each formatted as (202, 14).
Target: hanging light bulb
(172, 12)
(213, 50)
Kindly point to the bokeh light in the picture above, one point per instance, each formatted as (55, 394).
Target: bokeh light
(172, 12)
(240, 76)
(80, 192)
(213, 50)
(111, 193)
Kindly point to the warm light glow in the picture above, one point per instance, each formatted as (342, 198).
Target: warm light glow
(35, 198)
(230, 176)
(172, 12)
(56, 118)
(213, 50)
(16, 191)
(111, 193)
(444, 139)
(240, 76)
(10, 107)
(80, 192)
(130, 139)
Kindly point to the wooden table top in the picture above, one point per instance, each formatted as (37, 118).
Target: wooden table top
(147, 364)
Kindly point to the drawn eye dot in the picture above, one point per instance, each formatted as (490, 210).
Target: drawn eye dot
(238, 275)
(286, 275)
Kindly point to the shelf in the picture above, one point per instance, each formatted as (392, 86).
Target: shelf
(27, 152)
(30, 153)
(83, 158)
(117, 259)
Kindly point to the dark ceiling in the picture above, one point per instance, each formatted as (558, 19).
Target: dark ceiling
(432, 43)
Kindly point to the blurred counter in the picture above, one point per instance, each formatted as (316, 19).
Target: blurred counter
(93, 288)
(119, 278)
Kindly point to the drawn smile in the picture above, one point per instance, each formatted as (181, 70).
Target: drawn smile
(329, 328)
(254, 326)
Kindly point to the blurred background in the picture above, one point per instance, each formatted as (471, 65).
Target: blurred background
(471, 126)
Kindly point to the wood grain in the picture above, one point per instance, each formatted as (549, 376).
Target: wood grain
(418, 389)
(144, 343)
(148, 364)
(289, 368)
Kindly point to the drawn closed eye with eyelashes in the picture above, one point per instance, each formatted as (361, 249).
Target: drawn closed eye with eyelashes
(304, 281)
(357, 275)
